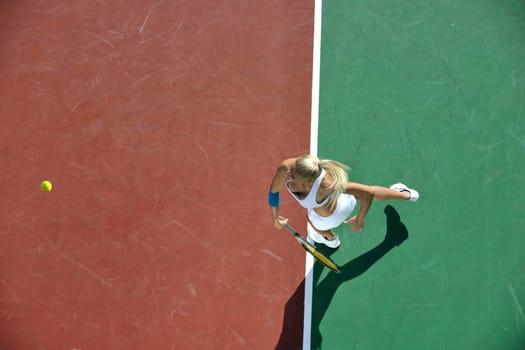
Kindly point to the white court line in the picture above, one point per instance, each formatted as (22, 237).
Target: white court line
(314, 125)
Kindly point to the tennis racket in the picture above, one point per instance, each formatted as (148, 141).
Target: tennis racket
(326, 261)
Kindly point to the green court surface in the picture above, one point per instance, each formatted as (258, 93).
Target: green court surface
(430, 93)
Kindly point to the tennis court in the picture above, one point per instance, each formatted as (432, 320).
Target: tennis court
(431, 94)
(153, 121)
(160, 125)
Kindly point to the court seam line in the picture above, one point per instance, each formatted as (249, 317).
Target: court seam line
(314, 126)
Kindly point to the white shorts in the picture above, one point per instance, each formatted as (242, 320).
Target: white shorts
(345, 205)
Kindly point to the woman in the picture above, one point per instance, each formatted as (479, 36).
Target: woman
(322, 187)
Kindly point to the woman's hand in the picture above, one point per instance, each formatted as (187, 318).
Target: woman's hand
(279, 222)
(357, 223)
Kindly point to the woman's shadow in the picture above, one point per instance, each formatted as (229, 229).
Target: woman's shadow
(396, 233)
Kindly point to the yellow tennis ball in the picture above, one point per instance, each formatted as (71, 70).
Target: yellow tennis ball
(46, 186)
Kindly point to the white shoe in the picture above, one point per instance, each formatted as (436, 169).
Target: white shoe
(413, 194)
(318, 238)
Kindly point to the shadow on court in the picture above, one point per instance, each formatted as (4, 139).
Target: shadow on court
(292, 333)
(396, 233)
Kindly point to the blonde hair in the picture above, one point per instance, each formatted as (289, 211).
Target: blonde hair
(309, 167)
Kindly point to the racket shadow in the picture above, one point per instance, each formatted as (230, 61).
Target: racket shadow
(324, 291)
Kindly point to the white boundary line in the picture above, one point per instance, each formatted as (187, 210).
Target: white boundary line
(309, 268)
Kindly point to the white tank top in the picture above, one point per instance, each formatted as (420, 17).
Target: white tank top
(310, 201)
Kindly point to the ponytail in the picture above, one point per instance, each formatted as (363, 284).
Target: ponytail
(337, 171)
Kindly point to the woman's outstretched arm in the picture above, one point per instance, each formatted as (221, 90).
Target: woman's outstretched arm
(364, 195)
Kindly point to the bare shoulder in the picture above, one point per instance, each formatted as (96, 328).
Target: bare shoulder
(287, 164)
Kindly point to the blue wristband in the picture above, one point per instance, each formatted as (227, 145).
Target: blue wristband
(274, 199)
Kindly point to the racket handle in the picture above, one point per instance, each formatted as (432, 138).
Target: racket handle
(290, 229)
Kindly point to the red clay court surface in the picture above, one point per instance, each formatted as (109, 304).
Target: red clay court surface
(160, 125)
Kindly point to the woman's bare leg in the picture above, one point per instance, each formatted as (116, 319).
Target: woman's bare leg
(384, 194)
